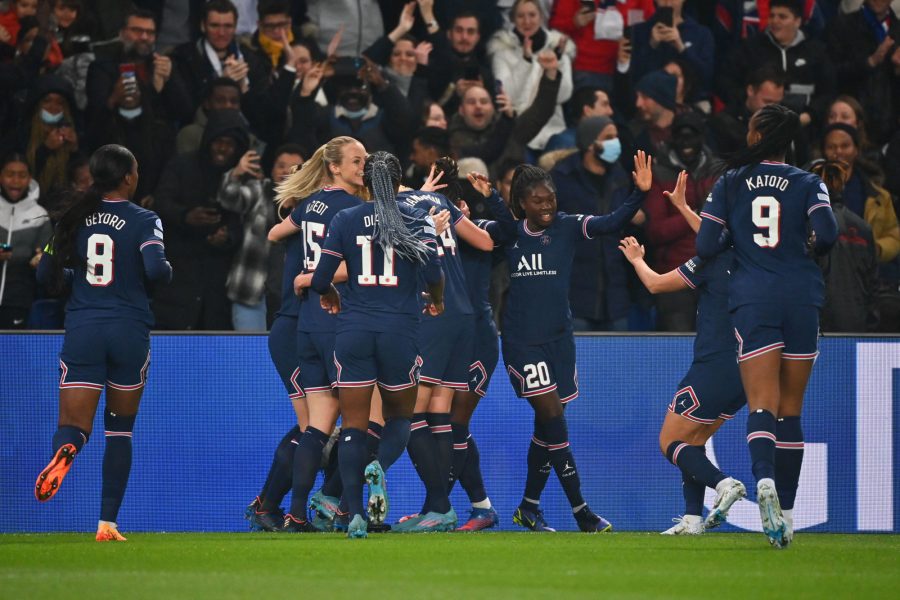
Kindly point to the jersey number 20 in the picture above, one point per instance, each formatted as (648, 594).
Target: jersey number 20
(99, 260)
(387, 277)
(767, 215)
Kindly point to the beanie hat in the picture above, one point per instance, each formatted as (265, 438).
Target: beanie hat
(660, 87)
(588, 130)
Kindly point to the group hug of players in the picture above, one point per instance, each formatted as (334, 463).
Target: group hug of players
(385, 325)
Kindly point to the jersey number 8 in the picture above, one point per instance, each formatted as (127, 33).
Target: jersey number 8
(767, 215)
(99, 260)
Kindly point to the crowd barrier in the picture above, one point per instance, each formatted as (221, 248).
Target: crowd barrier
(214, 410)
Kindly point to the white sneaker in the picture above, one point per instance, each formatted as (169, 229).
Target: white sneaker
(728, 491)
(788, 516)
(770, 512)
(686, 525)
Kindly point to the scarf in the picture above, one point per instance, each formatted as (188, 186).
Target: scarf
(273, 48)
(213, 58)
(878, 26)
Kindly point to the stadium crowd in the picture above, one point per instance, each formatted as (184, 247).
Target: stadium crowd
(219, 100)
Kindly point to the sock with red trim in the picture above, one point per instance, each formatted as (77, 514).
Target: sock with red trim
(761, 441)
(442, 431)
(693, 463)
(422, 451)
(788, 459)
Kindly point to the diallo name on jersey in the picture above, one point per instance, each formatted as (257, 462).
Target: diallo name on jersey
(102, 218)
(773, 181)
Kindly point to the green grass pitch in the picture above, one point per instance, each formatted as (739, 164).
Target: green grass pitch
(486, 565)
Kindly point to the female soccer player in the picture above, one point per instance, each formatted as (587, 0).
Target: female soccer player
(775, 294)
(538, 341)
(711, 392)
(387, 246)
(105, 248)
(336, 166)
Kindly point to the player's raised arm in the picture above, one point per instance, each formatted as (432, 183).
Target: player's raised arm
(654, 282)
(643, 179)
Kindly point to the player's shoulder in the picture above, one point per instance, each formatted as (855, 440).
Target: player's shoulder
(340, 198)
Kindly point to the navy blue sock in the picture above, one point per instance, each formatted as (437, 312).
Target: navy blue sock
(557, 436)
(442, 431)
(693, 462)
(460, 433)
(353, 463)
(423, 453)
(307, 460)
(693, 495)
(278, 482)
(788, 459)
(333, 486)
(69, 434)
(394, 437)
(116, 463)
(373, 439)
(539, 468)
(471, 478)
(761, 440)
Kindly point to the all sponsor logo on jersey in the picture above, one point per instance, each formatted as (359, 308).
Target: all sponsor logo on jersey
(531, 265)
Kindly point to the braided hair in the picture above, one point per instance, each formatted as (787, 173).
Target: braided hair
(450, 169)
(778, 126)
(381, 175)
(524, 179)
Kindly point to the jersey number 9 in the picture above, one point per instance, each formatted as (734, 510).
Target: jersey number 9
(99, 260)
(767, 215)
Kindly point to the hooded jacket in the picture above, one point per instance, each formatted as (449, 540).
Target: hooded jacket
(25, 226)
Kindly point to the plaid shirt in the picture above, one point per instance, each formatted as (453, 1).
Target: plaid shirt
(246, 282)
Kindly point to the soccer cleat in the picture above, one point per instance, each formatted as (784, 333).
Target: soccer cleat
(481, 518)
(770, 513)
(589, 522)
(109, 533)
(292, 525)
(728, 492)
(532, 519)
(252, 508)
(266, 520)
(48, 481)
(431, 522)
(340, 522)
(788, 516)
(325, 506)
(406, 523)
(378, 502)
(358, 528)
(322, 525)
(686, 525)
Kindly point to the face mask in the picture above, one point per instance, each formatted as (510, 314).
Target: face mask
(356, 114)
(49, 118)
(131, 113)
(612, 150)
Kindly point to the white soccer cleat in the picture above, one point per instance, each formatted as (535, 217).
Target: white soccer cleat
(788, 516)
(770, 513)
(686, 525)
(728, 491)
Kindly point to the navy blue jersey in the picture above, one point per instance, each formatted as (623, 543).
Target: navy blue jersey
(293, 265)
(120, 248)
(477, 265)
(715, 334)
(313, 217)
(766, 208)
(381, 293)
(456, 295)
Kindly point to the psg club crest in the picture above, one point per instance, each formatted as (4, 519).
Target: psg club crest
(545, 240)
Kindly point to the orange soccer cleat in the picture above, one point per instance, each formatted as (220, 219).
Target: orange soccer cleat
(109, 533)
(48, 481)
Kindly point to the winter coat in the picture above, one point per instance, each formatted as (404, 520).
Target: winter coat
(25, 226)
(520, 78)
(361, 19)
(699, 51)
(881, 217)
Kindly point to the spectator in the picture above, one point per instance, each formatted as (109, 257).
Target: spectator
(72, 26)
(847, 109)
(808, 74)
(656, 106)
(586, 102)
(596, 33)
(428, 145)
(128, 61)
(356, 23)
(728, 129)
(656, 43)
(17, 75)
(201, 237)
(223, 94)
(592, 181)
(218, 54)
(10, 25)
(513, 55)
(273, 29)
(25, 229)
(686, 97)
(478, 130)
(862, 47)
(462, 60)
(286, 158)
(671, 238)
(433, 116)
(861, 194)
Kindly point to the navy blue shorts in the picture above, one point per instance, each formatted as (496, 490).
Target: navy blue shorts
(364, 358)
(791, 328)
(485, 355)
(446, 346)
(709, 391)
(115, 354)
(315, 352)
(541, 368)
(283, 350)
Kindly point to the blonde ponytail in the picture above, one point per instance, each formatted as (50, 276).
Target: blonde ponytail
(312, 176)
